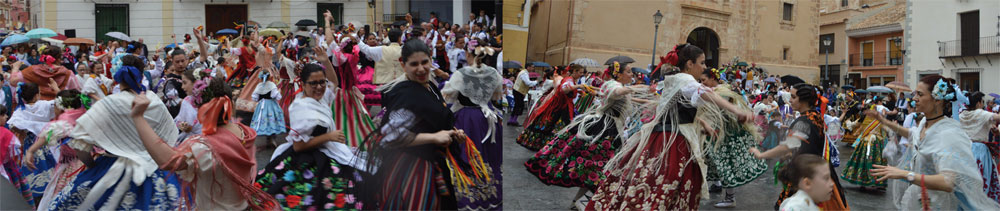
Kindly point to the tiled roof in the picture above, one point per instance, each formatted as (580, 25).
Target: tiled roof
(892, 15)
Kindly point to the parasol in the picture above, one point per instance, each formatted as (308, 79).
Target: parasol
(619, 59)
(640, 70)
(40, 33)
(995, 95)
(271, 32)
(119, 35)
(879, 89)
(541, 64)
(305, 22)
(847, 87)
(227, 32)
(861, 91)
(899, 86)
(78, 41)
(586, 62)
(792, 80)
(511, 65)
(15, 39)
(770, 80)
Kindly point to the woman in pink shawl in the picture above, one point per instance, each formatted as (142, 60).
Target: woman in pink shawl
(48, 72)
(69, 105)
(215, 163)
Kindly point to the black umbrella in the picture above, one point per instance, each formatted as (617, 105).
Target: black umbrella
(847, 87)
(619, 59)
(791, 80)
(511, 65)
(305, 22)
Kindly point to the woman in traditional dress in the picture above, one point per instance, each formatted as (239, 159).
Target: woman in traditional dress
(805, 136)
(576, 156)
(868, 151)
(268, 119)
(976, 123)
(70, 105)
(27, 122)
(470, 91)
(187, 117)
(349, 111)
(935, 171)
(314, 169)
(372, 97)
(123, 175)
(173, 92)
(218, 165)
(10, 159)
(654, 170)
(728, 159)
(415, 131)
(48, 71)
(552, 114)
(95, 84)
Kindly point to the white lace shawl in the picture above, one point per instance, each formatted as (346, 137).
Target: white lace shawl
(480, 85)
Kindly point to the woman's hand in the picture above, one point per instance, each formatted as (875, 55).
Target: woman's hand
(139, 105)
(336, 136)
(184, 127)
(755, 152)
(744, 116)
(888, 172)
(443, 138)
(29, 160)
(53, 85)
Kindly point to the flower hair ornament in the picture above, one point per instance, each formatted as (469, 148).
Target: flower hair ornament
(940, 91)
(49, 60)
(60, 103)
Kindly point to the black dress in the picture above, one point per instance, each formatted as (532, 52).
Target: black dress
(815, 144)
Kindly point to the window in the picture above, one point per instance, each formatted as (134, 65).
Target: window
(867, 53)
(826, 48)
(843, 3)
(784, 54)
(787, 15)
(880, 80)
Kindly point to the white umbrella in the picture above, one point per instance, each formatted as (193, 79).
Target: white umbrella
(586, 62)
(119, 35)
(880, 89)
(53, 41)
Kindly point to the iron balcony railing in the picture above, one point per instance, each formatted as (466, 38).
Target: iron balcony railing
(389, 18)
(969, 47)
(878, 58)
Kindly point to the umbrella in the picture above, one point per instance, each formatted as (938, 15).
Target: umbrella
(78, 41)
(271, 32)
(619, 59)
(861, 91)
(995, 95)
(305, 22)
(53, 41)
(899, 86)
(511, 65)
(847, 87)
(541, 64)
(227, 32)
(879, 89)
(119, 35)
(40, 33)
(744, 64)
(770, 80)
(399, 23)
(60, 37)
(586, 62)
(640, 70)
(277, 25)
(15, 39)
(792, 80)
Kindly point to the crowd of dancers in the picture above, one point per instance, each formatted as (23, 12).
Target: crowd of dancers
(117, 126)
(661, 140)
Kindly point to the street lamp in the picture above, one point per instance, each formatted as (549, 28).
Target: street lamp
(656, 21)
(826, 44)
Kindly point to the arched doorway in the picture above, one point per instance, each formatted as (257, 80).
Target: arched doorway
(707, 40)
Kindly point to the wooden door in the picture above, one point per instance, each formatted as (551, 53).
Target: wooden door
(337, 9)
(218, 17)
(968, 82)
(110, 18)
(970, 33)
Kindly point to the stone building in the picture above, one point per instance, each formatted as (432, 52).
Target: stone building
(777, 35)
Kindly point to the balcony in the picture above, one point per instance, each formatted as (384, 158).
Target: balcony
(389, 18)
(879, 58)
(973, 47)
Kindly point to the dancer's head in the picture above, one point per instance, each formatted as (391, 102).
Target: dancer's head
(416, 61)
(28, 92)
(619, 71)
(689, 58)
(976, 101)
(804, 98)
(808, 173)
(576, 70)
(313, 81)
(934, 95)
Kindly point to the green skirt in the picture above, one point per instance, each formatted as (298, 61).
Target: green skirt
(731, 163)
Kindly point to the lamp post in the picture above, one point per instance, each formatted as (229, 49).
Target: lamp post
(656, 30)
(826, 67)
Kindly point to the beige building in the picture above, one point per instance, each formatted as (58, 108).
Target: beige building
(834, 16)
(779, 35)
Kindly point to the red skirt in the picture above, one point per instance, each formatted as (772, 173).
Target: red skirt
(675, 186)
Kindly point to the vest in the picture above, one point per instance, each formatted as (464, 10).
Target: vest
(519, 85)
(389, 67)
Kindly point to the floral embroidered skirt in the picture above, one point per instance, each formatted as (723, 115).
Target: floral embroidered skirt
(671, 184)
(64, 174)
(310, 180)
(570, 161)
(731, 163)
(867, 153)
(36, 179)
(268, 119)
(543, 129)
(988, 169)
(160, 191)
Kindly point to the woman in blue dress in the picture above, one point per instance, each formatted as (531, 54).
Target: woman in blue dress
(27, 121)
(268, 119)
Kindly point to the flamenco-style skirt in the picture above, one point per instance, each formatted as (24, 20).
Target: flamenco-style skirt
(288, 90)
(268, 119)
(543, 129)
(988, 169)
(36, 179)
(675, 186)
(487, 197)
(372, 97)
(411, 182)
(569, 161)
(160, 191)
(583, 103)
(867, 153)
(731, 163)
(310, 180)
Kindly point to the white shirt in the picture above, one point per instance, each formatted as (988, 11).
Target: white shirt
(526, 79)
(373, 53)
(799, 202)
